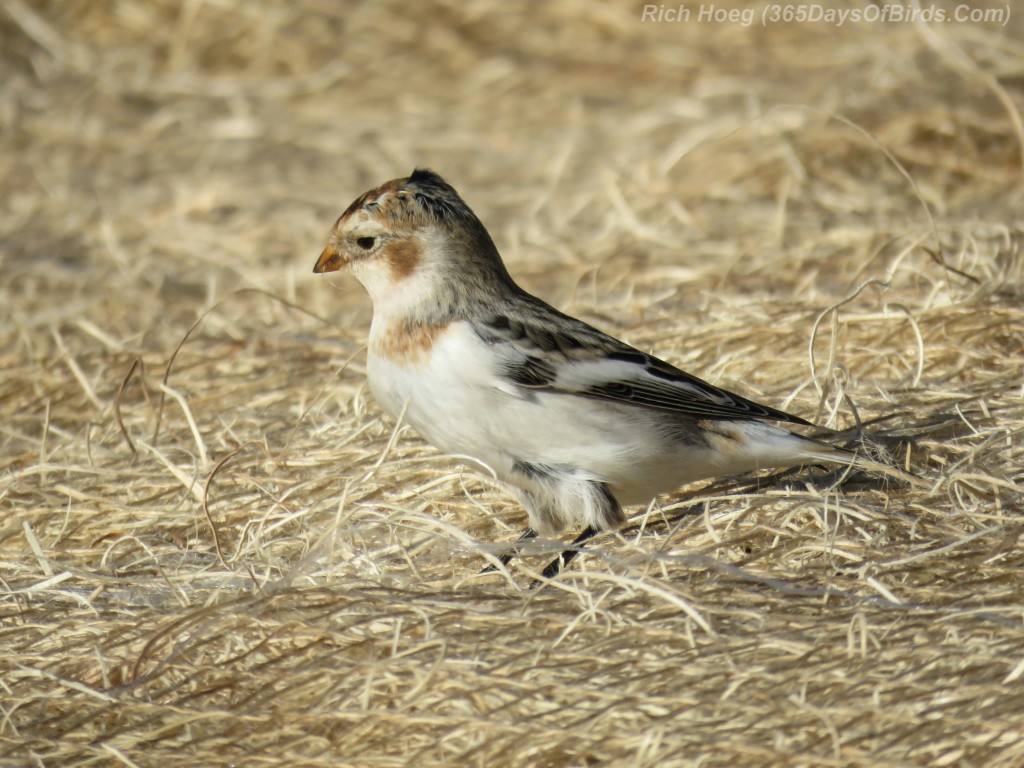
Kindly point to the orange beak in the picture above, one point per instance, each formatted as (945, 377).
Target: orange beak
(330, 260)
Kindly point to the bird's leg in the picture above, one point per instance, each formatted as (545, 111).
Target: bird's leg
(555, 566)
(506, 557)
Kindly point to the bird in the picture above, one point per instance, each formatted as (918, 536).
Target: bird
(574, 422)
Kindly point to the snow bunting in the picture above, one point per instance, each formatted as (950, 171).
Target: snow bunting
(575, 422)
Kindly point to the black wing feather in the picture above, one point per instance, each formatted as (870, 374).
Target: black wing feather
(531, 343)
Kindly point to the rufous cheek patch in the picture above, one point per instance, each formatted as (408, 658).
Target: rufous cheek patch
(403, 257)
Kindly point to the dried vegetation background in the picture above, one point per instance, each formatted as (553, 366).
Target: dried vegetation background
(214, 550)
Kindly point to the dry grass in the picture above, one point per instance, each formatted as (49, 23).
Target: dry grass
(224, 555)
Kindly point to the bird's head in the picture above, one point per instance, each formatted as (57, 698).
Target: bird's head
(410, 238)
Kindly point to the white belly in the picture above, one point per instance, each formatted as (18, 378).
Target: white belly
(455, 400)
(445, 396)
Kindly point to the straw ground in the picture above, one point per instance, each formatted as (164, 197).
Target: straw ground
(215, 550)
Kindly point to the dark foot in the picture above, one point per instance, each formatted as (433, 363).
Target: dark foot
(555, 566)
(506, 557)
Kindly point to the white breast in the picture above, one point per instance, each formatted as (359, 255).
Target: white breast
(442, 380)
(453, 396)
(451, 393)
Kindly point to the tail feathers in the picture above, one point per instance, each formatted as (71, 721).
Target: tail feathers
(819, 451)
(766, 445)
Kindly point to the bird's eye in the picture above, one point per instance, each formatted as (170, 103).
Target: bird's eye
(366, 243)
